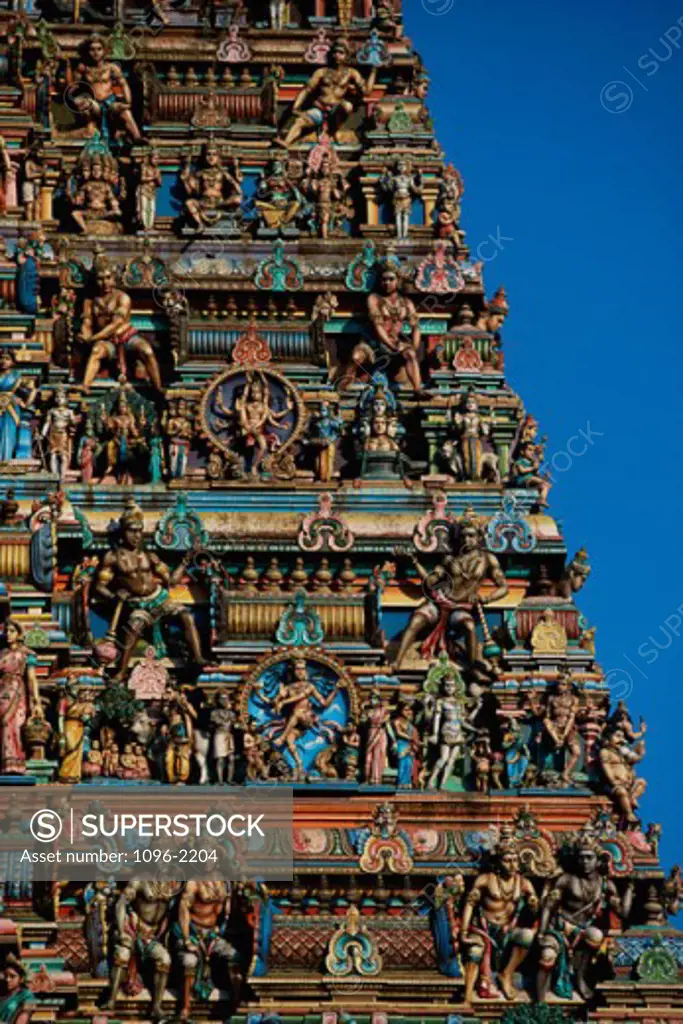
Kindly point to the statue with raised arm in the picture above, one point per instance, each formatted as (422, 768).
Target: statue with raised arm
(453, 603)
(330, 95)
(136, 581)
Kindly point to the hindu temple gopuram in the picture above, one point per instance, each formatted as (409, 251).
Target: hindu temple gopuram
(272, 516)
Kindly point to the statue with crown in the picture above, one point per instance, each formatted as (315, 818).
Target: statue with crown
(135, 583)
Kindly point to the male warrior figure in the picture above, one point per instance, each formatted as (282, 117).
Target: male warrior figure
(397, 329)
(203, 913)
(96, 80)
(454, 586)
(490, 929)
(137, 581)
(616, 761)
(573, 923)
(141, 915)
(332, 92)
(107, 326)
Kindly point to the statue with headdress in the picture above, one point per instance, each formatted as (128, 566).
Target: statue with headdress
(329, 96)
(14, 1005)
(453, 605)
(213, 189)
(498, 923)
(136, 583)
(101, 93)
(575, 920)
(107, 327)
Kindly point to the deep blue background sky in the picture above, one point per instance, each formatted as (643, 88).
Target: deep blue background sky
(592, 201)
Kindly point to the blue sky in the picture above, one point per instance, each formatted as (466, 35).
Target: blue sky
(564, 119)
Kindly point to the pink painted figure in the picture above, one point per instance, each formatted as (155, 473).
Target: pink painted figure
(377, 717)
(19, 697)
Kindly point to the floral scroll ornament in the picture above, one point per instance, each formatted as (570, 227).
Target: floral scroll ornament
(440, 273)
(233, 49)
(251, 347)
(508, 530)
(318, 50)
(352, 950)
(431, 532)
(322, 530)
(657, 965)
(360, 273)
(180, 529)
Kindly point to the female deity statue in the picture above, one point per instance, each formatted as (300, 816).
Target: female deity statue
(76, 708)
(19, 697)
(448, 732)
(377, 718)
(15, 401)
(13, 1005)
(402, 187)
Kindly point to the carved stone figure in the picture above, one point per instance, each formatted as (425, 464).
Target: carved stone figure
(141, 920)
(472, 456)
(254, 416)
(33, 173)
(149, 180)
(326, 430)
(136, 581)
(15, 1002)
(453, 594)
(294, 703)
(101, 93)
(76, 709)
(558, 714)
(574, 921)
(59, 429)
(525, 471)
(123, 435)
(212, 189)
(329, 96)
(95, 205)
(402, 187)
(397, 330)
(16, 398)
(19, 698)
(492, 935)
(449, 730)
(179, 428)
(617, 758)
(223, 720)
(179, 735)
(329, 192)
(203, 949)
(107, 327)
(278, 200)
(377, 717)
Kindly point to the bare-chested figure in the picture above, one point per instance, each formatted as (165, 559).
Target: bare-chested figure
(107, 326)
(211, 190)
(294, 704)
(254, 414)
(101, 91)
(141, 918)
(95, 199)
(137, 581)
(205, 953)
(617, 758)
(491, 935)
(332, 93)
(573, 923)
(559, 723)
(454, 587)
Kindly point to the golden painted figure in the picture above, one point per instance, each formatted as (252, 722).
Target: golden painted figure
(205, 953)
(76, 708)
(95, 203)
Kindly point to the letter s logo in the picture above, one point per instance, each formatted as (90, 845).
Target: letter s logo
(46, 826)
